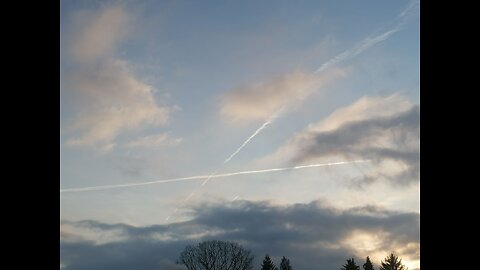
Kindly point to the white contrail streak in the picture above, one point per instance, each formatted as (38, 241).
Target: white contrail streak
(413, 4)
(369, 41)
(268, 122)
(359, 48)
(181, 179)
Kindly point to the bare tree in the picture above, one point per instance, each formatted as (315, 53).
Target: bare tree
(216, 255)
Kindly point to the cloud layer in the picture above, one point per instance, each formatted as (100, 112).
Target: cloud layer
(313, 236)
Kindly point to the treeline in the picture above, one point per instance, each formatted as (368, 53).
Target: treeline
(222, 255)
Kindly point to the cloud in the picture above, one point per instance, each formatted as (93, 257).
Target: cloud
(97, 33)
(312, 236)
(116, 102)
(153, 141)
(261, 100)
(111, 99)
(385, 130)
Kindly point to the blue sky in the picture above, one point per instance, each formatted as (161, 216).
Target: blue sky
(153, 90)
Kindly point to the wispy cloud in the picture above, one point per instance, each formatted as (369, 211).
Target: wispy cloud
(261, 100)
(154, 141)
(112, 100)
(97, 34)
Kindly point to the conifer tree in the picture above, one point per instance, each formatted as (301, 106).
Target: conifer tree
(392, 263)
(368, 265)
(350, 265)
(285, 264)
(268, 264)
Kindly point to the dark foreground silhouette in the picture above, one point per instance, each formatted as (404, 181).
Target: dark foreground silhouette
(226, 255)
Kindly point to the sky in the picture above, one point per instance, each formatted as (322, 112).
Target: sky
(290, 127)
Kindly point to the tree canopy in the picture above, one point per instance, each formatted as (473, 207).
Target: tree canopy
(214, 254)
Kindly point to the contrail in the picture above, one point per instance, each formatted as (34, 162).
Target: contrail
(355, 50)
(223, 175)
(413, 4)
(369, 42)
(268, 122)
(359, 48)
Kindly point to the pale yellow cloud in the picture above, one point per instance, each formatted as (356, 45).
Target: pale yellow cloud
(379, 244)
(116, 102)
(261, 100)
(364, 108)
(112, 100)
(96, 34)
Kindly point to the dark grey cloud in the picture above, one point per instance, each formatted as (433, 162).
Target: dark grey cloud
(386, 138)
(313, 236)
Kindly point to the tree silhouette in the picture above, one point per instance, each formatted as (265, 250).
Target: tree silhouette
(392, 263)
(368, 264)
(350, 265)
(285, 264)
(215, 254)
(267, 264)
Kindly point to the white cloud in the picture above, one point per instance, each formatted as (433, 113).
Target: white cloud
(96, 34)
(260, 101)
(116, 102)
(84, 232)
(362, 109)
(112, 99)
(384, 129)
(152, 141)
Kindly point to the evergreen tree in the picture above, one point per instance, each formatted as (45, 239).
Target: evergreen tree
(285, 264)
(350, 265)
(368, 265)
(392, 263)
(268, 264)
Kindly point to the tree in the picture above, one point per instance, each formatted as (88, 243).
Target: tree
(392, 263)
(215, 254)
(285, 264)
(368, 265)
(267, 264)
(350, 265)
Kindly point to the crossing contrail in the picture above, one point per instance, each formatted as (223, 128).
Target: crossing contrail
(268, 122)
(198, 177)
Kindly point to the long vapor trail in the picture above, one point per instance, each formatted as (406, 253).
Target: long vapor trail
(263, 126)
(359, 48)
(355, 50)
(369, 42)
(268, 122)
(198, 177)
